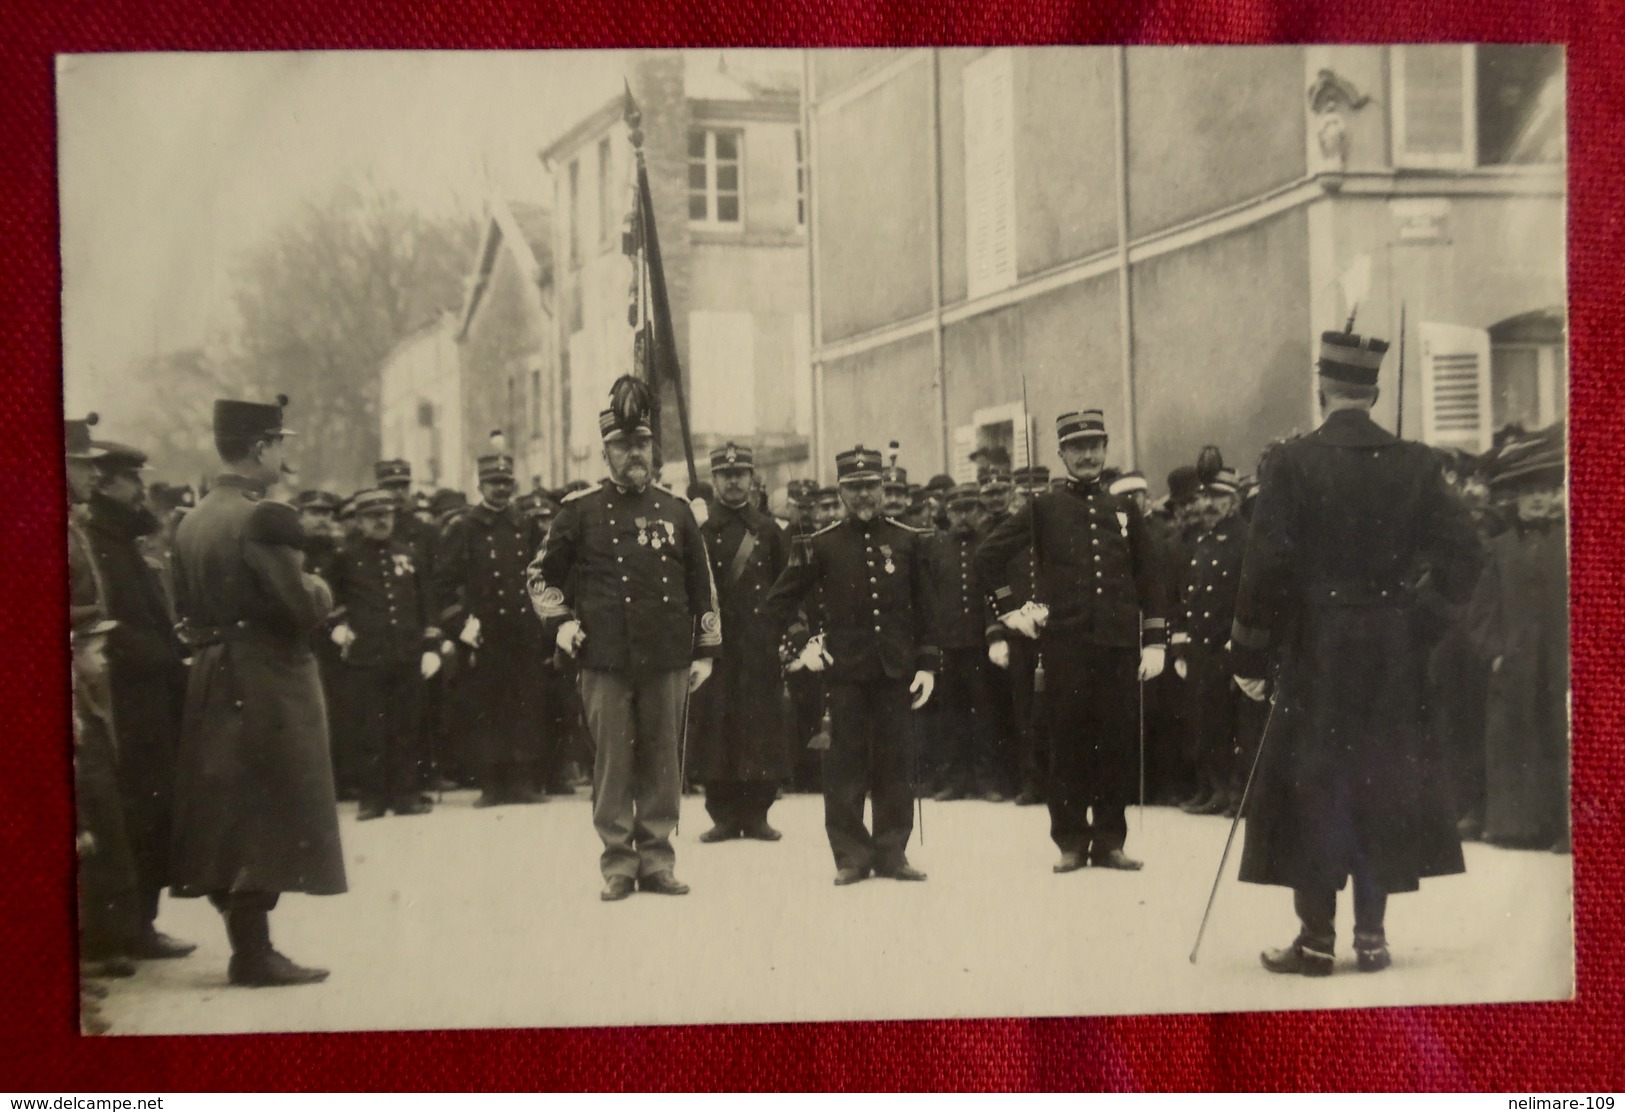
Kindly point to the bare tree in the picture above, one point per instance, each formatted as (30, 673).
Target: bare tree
(173, 420)
(322, 303)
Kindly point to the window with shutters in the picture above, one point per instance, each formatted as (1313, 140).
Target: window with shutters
(1528, 370)
(1002, 429)
(990, 186)
(715, 197)
(1521, 104)
(1456, 386)
(1435, 97)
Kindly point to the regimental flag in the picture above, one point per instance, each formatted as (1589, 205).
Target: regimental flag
(654, 347)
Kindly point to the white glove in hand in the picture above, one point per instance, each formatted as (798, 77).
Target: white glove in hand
(569, 637)
(1019, 621)
(1253, 689)
(471, 633)
(924, 683)
(1181, 669)
(999, 653)
(813, 657)
(700, 510)
(429, 665)
(343, 636)
(698, 672)
(1152, 659)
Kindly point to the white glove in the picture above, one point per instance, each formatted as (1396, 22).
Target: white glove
(447, 648)
(1019, 621)
(471, 632)
(1152, 659)
(924, 683)
(698, 672)
(429, 665)
(343, 636)
(999, 653)
(813, 657)
(569, 637)
(1253, 689)
(700, 509)
(1181, 669)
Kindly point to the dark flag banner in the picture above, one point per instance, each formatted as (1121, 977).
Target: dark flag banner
(649, 309)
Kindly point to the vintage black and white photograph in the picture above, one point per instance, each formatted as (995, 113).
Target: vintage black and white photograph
(713, 536)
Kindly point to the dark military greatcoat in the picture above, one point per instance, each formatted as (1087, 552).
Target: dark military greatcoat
(738, 716)
(254, 806)
(1347, 521)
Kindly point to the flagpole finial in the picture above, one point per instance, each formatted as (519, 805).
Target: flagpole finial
(633, 116)
(1348, 327)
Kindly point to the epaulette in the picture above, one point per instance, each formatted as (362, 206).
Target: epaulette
(825, 529)
(582, 493)
(904, 525)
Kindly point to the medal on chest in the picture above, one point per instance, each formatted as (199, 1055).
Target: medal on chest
(403, 564)
(885, 550)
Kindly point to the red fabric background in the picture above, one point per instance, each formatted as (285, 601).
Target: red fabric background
(1531, 1048)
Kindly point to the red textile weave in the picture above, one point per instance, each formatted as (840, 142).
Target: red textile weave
(1529, 1048)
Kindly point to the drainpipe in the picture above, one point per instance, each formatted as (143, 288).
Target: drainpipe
(814, 324)
(1125, 296)
(939, 380)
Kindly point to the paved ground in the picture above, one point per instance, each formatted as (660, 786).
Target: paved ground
(491, 918)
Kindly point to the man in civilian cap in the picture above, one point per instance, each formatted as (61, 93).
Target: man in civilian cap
(146, 675)
(390, 650)
(254, 811)
(479, 585)
(1204, 606)
(1349, 519)
(1100, 621)
(965, 755)
(738, 747)
(624, 587)
(878, 649)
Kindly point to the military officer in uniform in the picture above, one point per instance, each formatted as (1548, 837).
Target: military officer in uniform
(967, 725)
(894, 501)
(1100, 623)
(254, 811)
(624, 586)
(827, 507)
(479, 578)
(389, 649)
(1205, 605)
(738, 746)
(1018, 655)
(1349, 520)
(879, 643)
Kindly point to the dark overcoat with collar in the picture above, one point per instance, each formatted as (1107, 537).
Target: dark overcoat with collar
(1349, 522)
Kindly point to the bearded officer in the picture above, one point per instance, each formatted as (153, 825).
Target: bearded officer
(254, 812)
(739, 748)
(1103, 633)
(624, 586)
(879, 643)
(479, 577)
(1349, 519)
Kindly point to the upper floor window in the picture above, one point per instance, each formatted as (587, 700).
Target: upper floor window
(714, 195)
(1458, 106)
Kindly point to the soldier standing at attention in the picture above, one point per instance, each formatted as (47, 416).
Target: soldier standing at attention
(254, 812)
(479, 577)
(624, 585)
(740, 750)
(880, 645)
(389, 651)
(1348, 520)
(1104, 633)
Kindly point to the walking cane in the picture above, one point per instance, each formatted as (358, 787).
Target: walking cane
(682, 756)
(1241, 809)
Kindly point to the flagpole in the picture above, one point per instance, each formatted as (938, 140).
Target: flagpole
(662, 341)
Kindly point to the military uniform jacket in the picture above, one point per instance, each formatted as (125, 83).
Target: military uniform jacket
(1347, 520)
(873, 597)
(421, 537)
(1206, 604)
(1098, 568)
(963, 612)
(479, 571)
(632, 567)
(254, 805)
(380, 593)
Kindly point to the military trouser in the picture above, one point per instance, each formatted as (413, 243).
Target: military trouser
(1213, 703)
(388, 702)
(1317, 910)
(967, 727)
(1094, 707)
(248, 919)
(871, 755)
(635, 720)
(739, 804)
(1032, 738)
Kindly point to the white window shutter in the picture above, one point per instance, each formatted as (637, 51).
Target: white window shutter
(962, 469)
(990, 184)
(1455, 386)
(1435, 106)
